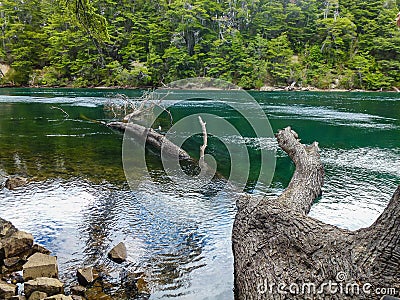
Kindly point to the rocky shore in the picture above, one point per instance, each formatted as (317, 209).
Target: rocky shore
(28, 271)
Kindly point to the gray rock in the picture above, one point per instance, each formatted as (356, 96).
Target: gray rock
(15, 182)
(11, 262)
(40, 265)
(7, 291)
(85, 276)
(40, 249)
(36, 295)
(15, 244)
(118, 254)
(15, 247)
(78, 290)
(34, 249)
(50, 286)
(6, 228)
(76, 297)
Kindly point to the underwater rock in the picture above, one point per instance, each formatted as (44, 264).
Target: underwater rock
(77, 290)
(96, 293)
(15, 182)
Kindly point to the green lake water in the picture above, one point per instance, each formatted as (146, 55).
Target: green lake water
(79, 204)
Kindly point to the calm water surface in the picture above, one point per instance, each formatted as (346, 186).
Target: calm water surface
(79, 204)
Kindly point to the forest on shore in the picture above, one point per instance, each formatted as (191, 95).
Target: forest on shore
(352, 44)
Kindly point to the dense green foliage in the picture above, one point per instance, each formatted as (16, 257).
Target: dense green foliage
(348, 44)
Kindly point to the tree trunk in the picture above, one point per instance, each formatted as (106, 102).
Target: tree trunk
(153, 139)
(281, 253)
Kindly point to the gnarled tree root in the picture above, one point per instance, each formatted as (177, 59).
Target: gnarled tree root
(281, 253)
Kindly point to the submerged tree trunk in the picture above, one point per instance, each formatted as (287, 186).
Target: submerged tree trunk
(153, 139)
(281, 253)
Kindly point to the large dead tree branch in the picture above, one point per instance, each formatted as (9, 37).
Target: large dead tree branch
(151, 138)
(281, 253)
(308, 177)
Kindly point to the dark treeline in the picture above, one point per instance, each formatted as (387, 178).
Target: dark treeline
(351, 44)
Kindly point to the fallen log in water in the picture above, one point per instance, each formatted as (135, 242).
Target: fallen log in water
(153, 139)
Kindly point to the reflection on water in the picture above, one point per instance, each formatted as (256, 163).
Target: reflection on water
(179, 241)
(79, 205)
(358, 185)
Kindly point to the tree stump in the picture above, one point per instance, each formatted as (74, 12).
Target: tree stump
(281, 253)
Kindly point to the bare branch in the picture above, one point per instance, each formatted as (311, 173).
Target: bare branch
(59, 108)
(152, 138)
(204, 146)
(308, 177)
(131, 109)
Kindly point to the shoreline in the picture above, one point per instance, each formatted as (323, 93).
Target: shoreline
(262, 89)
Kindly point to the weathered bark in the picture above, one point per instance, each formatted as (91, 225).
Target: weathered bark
(281, 253)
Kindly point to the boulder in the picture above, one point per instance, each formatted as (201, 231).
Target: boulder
(91, 294)
(7, 291)
(76, 297)
(40, 265)
(85, 276)
(36, 295)
(11, 262)
(15, 244)
(50, 286)
(118, 254)
(96, 293)
(34, 249)
(78, 290)
(142, 286)
(40, 249)
(128, 282)
(15, 182)
(6, 228)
